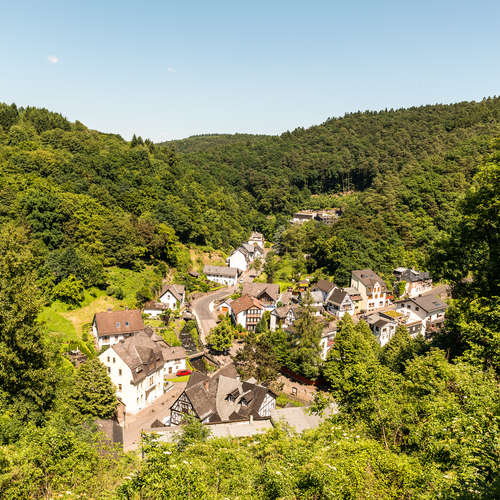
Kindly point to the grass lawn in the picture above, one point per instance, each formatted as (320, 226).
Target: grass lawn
(185, 378)
(158, 323)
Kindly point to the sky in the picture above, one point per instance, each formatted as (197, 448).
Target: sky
(167, 70)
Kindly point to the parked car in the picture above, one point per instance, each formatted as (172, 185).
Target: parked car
(182, 373)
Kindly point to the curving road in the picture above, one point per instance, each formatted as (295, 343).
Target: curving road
(206, 318)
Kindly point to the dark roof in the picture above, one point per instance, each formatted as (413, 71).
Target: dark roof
(229, 272)
(258, 289)
(281, 312)
(324, 285)
(155, 306)
(405, 274)
(244, 303)
(119, 322)
(368, 278)
(141, 354)
(337, 297)
(429, 303)
(209, 395)
(176, 290)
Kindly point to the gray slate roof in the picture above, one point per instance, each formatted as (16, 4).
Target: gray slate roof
(228, 272)
(369, 278)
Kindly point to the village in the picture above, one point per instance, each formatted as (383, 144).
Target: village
(157, 384)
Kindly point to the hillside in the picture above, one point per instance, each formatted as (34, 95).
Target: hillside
(111, 202)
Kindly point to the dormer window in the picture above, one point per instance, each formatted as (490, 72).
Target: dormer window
(126, 323)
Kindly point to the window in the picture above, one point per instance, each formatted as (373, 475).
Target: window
(114, 360)
(169, 369)
(109, 370)
(117, 324)
(120, 371)
(119, 387)
(126, 323)
(108, 359)
(294, 391)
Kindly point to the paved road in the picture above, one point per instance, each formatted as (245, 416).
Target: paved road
(134, 424)
(201, 309)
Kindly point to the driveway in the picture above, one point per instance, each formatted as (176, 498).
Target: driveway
(204, 314)
(134, 424)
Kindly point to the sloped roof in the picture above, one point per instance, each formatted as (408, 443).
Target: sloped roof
(368, 278)
(256, 236)
(257, 289)
(337, 297)
(411, 275)
(209, 395)
(244, 303)
(281, 312)
(141, 354)
(176, 290)
(429, 303)
(229, 272)
(119, 322)
(324, 285)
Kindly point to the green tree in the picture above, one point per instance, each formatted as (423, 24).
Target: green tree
(401, 348)
(221, 337)
(304, 343)
(69, 290)
(27, 365)
(92, 392)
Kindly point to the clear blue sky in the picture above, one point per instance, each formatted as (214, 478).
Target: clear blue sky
(167, 69)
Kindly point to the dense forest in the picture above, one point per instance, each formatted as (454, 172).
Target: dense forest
(417, 186)
(90, 199)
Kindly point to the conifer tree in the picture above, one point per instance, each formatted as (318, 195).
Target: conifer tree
(93, 392)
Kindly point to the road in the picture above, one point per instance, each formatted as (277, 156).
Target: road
(205, 317)
(134, 424)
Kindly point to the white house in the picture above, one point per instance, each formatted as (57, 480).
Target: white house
(327, 338)
(223, 397)
(339, 303)
(110, 327)
(427, 308)
(173, 296)
(384, 324)
(155, 309)
(416, 282)
(247, 311)
(257, 239)
(325, 287)
(138, 367)
(372, 289)
(219, 274)
(282, 317)
(239, 259)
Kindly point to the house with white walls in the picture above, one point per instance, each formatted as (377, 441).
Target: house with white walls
(415, 282)
(138, 367)
(257, 239)
(110, 327)
(327, 338)
(282, 317)
(220, 274)
(339, 303)
(239, 259)
(173, 296)
(247, 311)
(426, 308)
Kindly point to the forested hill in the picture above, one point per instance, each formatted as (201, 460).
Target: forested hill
(122, 203)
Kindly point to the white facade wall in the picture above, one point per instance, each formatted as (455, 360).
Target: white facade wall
(154, 313)
(108, 340)
(238, 261)
(173, 366)
(168, 299)
(223, 280)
